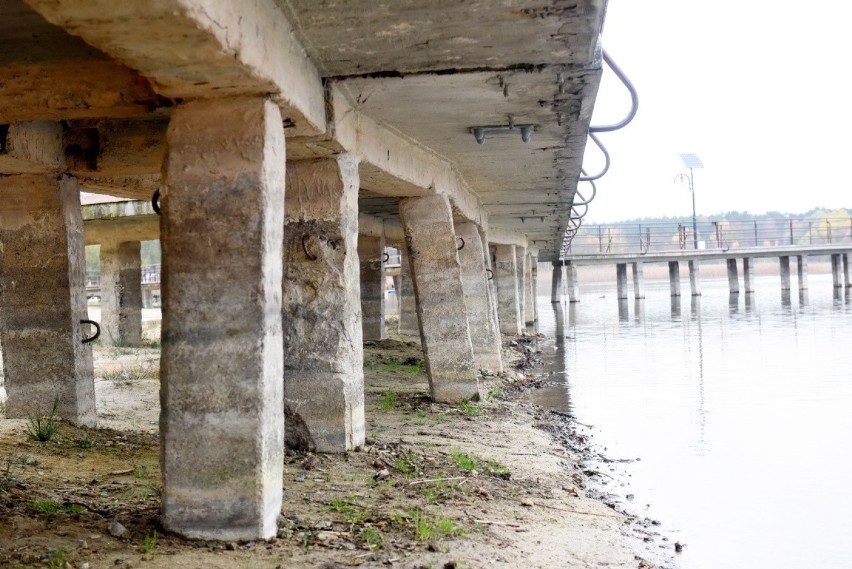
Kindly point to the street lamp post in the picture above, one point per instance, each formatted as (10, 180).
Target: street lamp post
(691, 161)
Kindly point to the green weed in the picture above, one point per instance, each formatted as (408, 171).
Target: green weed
(42, 428)
(469, 408)
(58, 559)
(50, 506)
(150, 542)
(388, 400)
(493, 393)
(373, 537)
(463, 460)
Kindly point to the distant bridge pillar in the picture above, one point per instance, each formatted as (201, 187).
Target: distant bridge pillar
(529, 290)
(573, 282)
(508, 308)
(521, 275)
(121, 293)
(371, 251)
(733, 277)
(638, 281)
(556, 282)
(693, 278)
(846, 270)
(784, 269)
(534, 285)
(802, 265)
(836, 270)
(674, 277)
(621, 280)
(408, 323)
(747, 274)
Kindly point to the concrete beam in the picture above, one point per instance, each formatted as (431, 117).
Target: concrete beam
(31, 148)
(222, 417)
(194, 49)
(444, 330)
(323, 349)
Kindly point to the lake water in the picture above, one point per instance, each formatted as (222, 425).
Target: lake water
(740, 409)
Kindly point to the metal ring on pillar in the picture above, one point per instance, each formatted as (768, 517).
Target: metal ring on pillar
(387, 258)
(309, 255)
(490, 274)
(155, 201)
(97, 330)
(459, 248)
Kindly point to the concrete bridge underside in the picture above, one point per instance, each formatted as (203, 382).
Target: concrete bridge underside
(288, 140)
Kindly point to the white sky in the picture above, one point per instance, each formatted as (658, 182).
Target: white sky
(757, 88)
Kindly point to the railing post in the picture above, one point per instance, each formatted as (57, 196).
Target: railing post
(828, 230)
(791, 232)
(600, 239)
(756, 242)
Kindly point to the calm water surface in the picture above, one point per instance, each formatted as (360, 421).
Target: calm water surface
(739, 408)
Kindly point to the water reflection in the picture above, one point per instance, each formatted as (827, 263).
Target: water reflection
(749, 302)
(623, 313)
(734, 303)
(695, 308)
(803, 298)
(675, 308)
(639, 309)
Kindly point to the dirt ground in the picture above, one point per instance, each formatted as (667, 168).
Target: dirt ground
(495, 483)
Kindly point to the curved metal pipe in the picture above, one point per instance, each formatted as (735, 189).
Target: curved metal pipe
(594, 191)
(634, 98)
(600, 145)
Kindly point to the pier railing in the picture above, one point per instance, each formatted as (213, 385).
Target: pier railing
(150, 275)
(719, 235)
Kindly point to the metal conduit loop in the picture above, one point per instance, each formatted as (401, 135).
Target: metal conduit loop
(97, 331)
(634, 98)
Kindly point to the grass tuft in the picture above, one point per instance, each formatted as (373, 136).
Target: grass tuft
(388, 400)
(41, 428)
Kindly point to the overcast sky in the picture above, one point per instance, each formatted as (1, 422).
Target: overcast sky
(756, 88)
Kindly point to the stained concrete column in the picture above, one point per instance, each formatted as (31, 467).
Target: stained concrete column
(802, 267)
(846, 270)
(521, 273)
(556, 282)
(484, 336)
(694, 286)
(573, 282)
(638, 281)
(621, 280)
(748, 271)
(121, 293)
(371, 252)
(323, 347)
(733, 277)
(837, 270)
(444, 330)
(508, 308)
(534, 286)
(491, 288)
(408, 323)
(222, 412)
(42, 281)
(784, 270)
(674, 278)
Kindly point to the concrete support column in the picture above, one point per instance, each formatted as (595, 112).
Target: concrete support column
(42, 280)
(529, 291)
(638, 281)
(784, 270)
(484, 336)
(846, 270)
(444, 330)
(371, 253)
(556, 282)
(492, 285)
(674, 278)
(508, 307)
(694, 286)
(323, 346)
(837, 270)
(748, 271)
(121, 293)
(521, 273)
(43, 297)
(222, 412)
(534, 285)
(621, 280)
(733, 277)
(802, 266)
(573, 282)
(408, 323)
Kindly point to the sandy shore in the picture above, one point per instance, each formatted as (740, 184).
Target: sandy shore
(499, 483)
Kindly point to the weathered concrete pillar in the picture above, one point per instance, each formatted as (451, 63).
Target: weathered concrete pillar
(674, 278)
(222, 411)
(121, 293)
(508, 308)
(323, 345)
(748, 270)
(521, 274)
(837, 270)
(371, 252)
(846, 270)
(556, 282)
(573, 282)
(42, 282)
(484, 336)
(621, 280)
(638, 281)
(529, 290)
(444, 330)
(733, 277)
(408, 323)
(694, 286)
(802, 267)
(784, 271)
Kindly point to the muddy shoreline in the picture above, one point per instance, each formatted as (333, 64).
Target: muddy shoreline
(500, 482)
